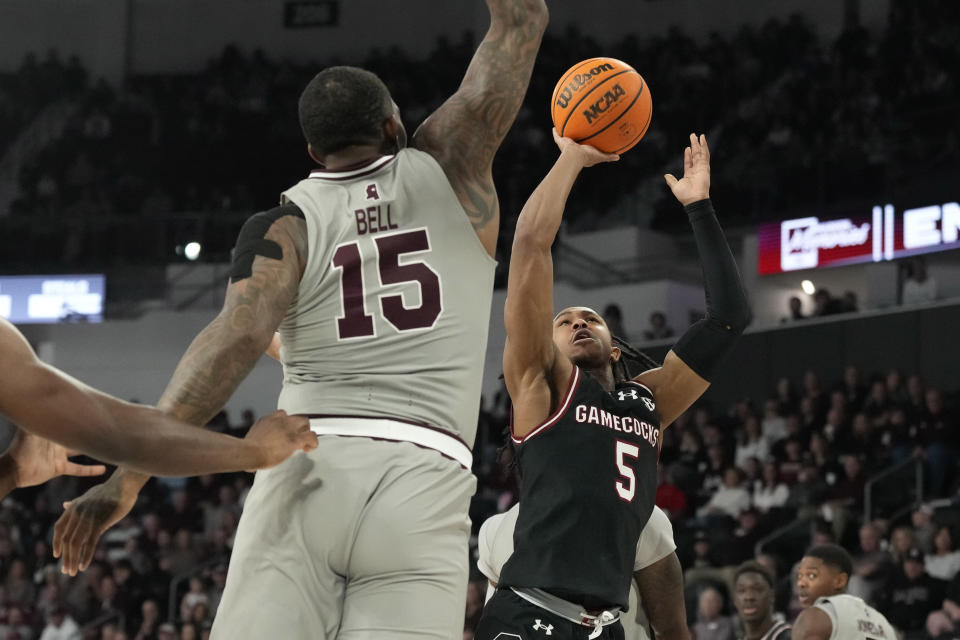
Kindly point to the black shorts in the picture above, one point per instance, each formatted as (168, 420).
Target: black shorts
(509, 617)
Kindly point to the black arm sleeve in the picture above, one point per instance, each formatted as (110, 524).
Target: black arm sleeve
(704, 345)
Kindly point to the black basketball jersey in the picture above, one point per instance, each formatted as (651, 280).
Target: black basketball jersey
(589, 481)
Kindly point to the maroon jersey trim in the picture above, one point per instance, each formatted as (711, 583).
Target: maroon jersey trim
(553, 418)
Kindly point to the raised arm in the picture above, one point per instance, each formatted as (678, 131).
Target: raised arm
(268, 262)
(691, 364)
(531, 370)
(466, 131)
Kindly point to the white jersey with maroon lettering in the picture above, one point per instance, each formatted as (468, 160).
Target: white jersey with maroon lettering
(854, 619)
(392, 313)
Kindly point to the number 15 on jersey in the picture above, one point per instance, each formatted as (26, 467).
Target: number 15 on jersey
(392, 254)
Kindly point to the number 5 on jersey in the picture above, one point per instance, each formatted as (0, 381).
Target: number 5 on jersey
(626, 450)
(356, 322)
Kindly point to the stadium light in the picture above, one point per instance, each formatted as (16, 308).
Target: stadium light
(807, 287)
(192, 251)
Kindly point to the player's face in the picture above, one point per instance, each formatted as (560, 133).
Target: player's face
(582, 335)
(752, 597)
(817, 580)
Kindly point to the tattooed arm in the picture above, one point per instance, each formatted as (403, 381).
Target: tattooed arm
(218, 359)
(465, 132)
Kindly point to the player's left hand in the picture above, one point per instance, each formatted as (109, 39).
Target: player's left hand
(695, 184)
(37, 460)
(585, 154)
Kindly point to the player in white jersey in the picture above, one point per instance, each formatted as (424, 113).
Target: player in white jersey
(656, 595)
(381, 292)
(829, 613)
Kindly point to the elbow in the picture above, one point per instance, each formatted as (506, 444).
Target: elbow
(521, 14)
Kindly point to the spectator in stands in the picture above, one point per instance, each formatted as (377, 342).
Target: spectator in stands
(787, 399)
(853, 388)
(901, 541)
(871, 567)
(60, 626)
(849, 302)
(149, 621)
(826, 305)
(944, 562)
(937, 435)
(795, 311)
(741, 546)
(918, 287)
(196, 594)
(774, 426)
(728, 501)
(711, 623)
(924, 529)
(792, 460)
(911, 595)
(752, 443)
(845, 495)
(658, 327)
(946, 621)
(613, 315)
(166, 631)
(15, 625)
(772, 493)
(670, 497)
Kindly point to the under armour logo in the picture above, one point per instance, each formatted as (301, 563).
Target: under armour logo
(630, 393)
(546, 627)
(372, 193)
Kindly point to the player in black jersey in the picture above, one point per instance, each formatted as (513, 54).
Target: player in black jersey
(587, 436)
(753, 597)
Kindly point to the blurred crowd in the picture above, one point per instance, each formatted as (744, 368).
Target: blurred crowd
(795, 121)
(729, 478)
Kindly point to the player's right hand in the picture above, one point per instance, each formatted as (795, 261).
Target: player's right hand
(278, 436)
(587, 155)
(85, 519)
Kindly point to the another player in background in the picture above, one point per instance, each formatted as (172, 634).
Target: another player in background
(587, 434)
(753, 597)
(829, 612)
(378, 272)
(58, 416)
(656, 593)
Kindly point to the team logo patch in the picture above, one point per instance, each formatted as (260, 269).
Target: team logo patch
(649, 404)
(539, 626)
(373, 192)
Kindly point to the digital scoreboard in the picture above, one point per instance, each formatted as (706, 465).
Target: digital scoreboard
(52, 299)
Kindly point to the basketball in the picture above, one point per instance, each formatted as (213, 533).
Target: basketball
(602, 102)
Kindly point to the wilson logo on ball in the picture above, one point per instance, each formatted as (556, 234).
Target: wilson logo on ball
(602, 102)
(577, 82)
(599, 107)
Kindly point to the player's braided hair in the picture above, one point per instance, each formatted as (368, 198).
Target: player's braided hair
(632, 361)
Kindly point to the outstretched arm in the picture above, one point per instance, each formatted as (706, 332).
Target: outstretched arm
(55, 408)
(466, 131)
(529, 363)
(690, 365)
(268, 262)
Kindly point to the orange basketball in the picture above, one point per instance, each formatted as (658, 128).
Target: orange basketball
(602, 102)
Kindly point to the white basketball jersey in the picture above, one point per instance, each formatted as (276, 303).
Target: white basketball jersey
(854, 619)
(393, 309)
